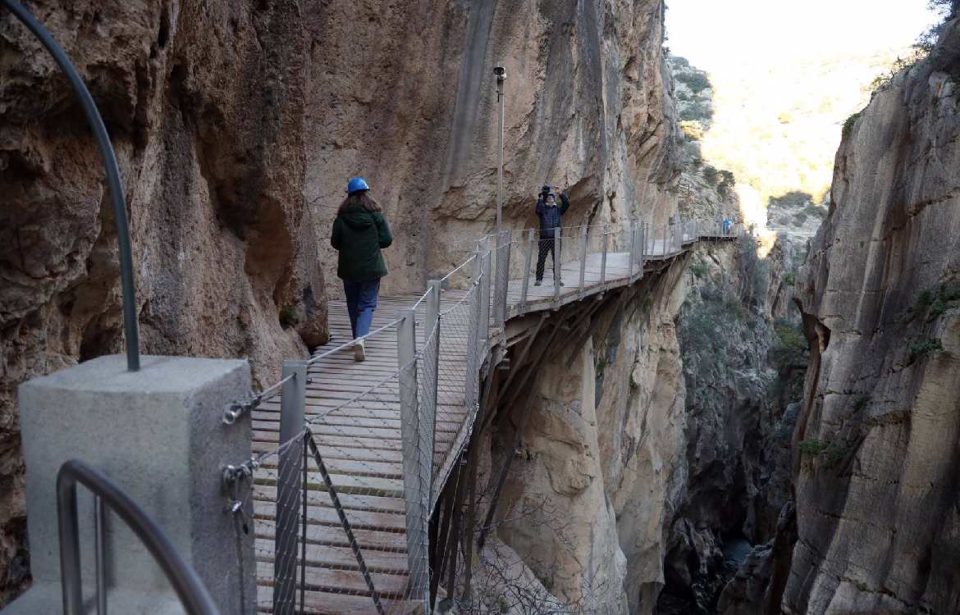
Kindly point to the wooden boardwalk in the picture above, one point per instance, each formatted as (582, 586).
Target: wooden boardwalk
(355, 413)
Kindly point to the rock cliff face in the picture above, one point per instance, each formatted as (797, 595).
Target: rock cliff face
(205, 106)
(598, 467)
(586, 108)
(878, 461)
(236, 125)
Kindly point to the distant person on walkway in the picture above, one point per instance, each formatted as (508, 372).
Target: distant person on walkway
(727, 226)
(359, 233)
(549, 213)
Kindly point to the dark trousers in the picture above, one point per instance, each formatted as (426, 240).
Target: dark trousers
(548, 245)
(361, 302)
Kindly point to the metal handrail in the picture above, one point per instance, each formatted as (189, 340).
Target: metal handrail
(114, 184)
(193, 595)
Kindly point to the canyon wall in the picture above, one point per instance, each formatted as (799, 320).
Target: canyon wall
(597, 468)
(877, 445)
(406, 96)
(236, 125)
(205, 106)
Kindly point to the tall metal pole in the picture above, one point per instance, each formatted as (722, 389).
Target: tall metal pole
(501, 74)
(113, 175)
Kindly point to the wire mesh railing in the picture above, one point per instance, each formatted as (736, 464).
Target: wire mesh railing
(349, 462)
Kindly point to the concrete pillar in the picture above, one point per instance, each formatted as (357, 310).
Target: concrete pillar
(158, 434)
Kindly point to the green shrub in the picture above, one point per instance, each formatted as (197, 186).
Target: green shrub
(697, 81)
(812, 447)
(790, 279)
(922, 348)
(860, 402)
(289, 317)
(699, 270)
(835, 453)
(935, 301)
(711, 174)
(950, 292)
(601, 366)
(832, 453)
(790, 347)
(849, 122)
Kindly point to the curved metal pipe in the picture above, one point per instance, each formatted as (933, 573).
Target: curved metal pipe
(191, 591)
(113, 176)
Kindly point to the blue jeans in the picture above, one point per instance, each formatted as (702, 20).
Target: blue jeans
(361, 302)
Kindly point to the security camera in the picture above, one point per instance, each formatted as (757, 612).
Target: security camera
(500, 72)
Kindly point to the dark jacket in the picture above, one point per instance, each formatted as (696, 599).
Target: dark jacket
(359, 235)
(550, 216)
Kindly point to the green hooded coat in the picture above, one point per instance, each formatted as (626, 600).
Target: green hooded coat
(359, 235)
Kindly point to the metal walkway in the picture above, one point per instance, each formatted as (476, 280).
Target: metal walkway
(355, 417)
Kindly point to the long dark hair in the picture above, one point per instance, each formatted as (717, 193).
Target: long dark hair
(360, 200)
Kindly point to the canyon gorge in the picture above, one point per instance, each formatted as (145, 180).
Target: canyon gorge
(752, 429)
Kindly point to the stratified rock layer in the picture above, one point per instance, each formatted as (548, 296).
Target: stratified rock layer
(599, 465)
(878, 440)
(404, 94)
(236, 126)
(205, 106)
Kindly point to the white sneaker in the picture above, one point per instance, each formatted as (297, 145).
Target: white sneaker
(359, 352)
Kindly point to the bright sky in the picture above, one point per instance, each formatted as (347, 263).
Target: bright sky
(719, 34)
(786, 74)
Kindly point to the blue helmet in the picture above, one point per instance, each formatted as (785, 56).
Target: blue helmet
(357, 184)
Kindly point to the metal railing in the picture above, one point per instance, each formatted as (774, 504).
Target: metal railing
(428, 400)
(191, 591)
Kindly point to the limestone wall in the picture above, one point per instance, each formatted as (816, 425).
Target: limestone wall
(236, 125)
(877, 465)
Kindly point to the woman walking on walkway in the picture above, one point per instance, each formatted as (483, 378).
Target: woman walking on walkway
(359, 233)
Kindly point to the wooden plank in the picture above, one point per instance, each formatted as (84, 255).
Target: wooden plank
(346, 483)
(342, 441)
(327, 515)
(352, 467)
(331, 451)
(367, 503)
(352, 420)
(330, 603)
(337, 580)
(374, 437)
(340, 557)
(335, 536)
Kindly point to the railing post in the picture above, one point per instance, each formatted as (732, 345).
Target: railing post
(474, 335)
(639, 253)
(416, 468)
(431, 363)
(289, 486)
(644, 232)
(527, 259)
(603, 258)
(486, 281)
(583, 256)
(557, 262)
(631, 246)
(504, 241)
(638, 250)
